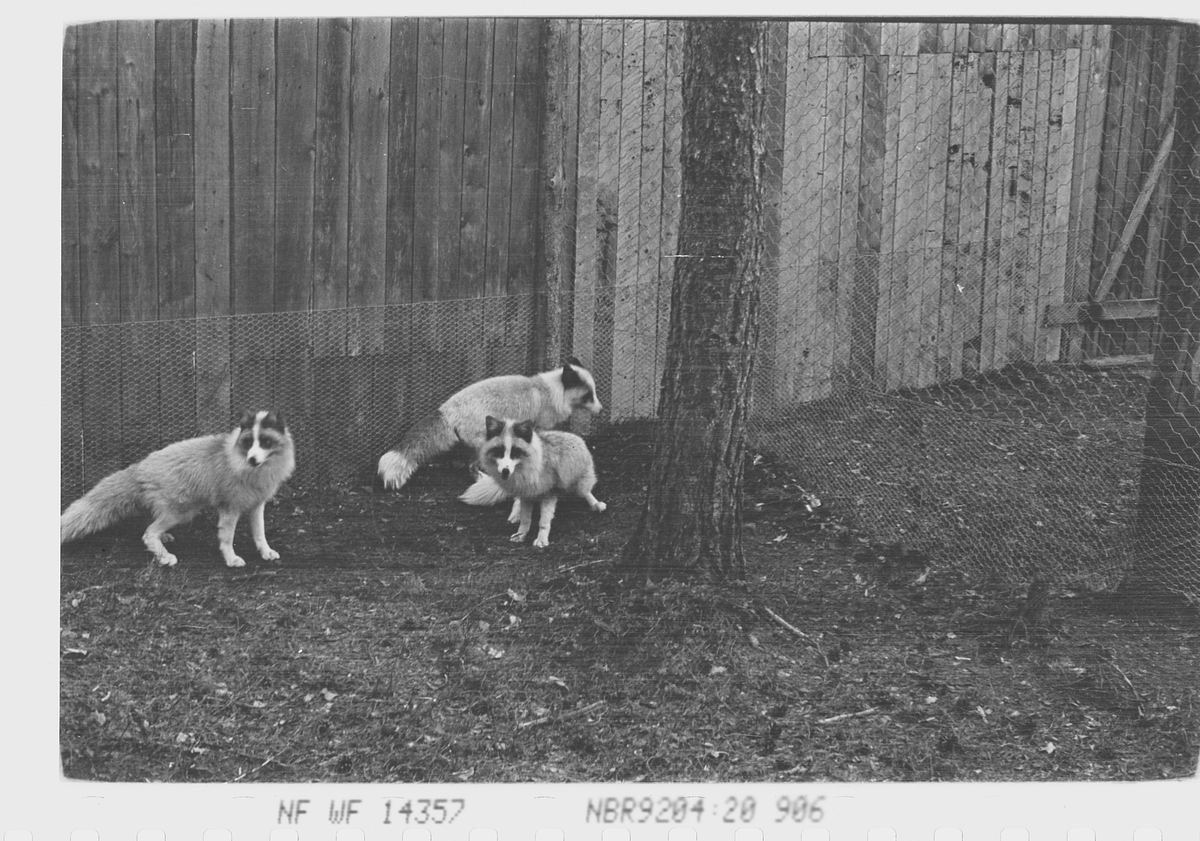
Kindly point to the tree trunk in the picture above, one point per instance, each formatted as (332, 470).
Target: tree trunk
(692, 518)
(1168, 524)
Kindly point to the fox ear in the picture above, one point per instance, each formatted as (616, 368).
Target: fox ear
(274, 420)
(524, 431)
(570, 377)
(494, 427)
(247, 419)
(573, 360)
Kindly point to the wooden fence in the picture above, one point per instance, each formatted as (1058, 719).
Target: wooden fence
(942, 196)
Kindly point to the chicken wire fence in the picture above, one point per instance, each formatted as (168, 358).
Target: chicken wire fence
(965, 251)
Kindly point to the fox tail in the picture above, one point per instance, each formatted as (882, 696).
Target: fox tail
(113, 499)
(485, 491)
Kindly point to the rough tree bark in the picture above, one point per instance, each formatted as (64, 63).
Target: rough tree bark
(692, 518)
(1168, 524)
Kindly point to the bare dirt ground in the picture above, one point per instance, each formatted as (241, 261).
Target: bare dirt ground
(403, 637)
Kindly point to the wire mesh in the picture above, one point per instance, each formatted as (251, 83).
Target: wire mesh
(981, 305)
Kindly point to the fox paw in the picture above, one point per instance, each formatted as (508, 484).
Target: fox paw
(268, 554)
(541, 542)
(234, 561)
(599, 506)
(167, 559)
(518, 537)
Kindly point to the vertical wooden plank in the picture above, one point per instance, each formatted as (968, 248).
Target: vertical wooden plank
(140, 424)
(71, 430)
(136, 169)
(500, 155)
(901, 38)
(295, 163)
(609, 224)
(450, 158)
(1089, 149)
(586, 232)
(973, 206)
(477, 103)
(1063, 97)
(956, 37)
(252, 98)
(369, 64)
(396, 392)
(646, 372)
(1041, 79)
(864, 289)
(799, 136)
(175, 175)
(99, 215)
(831, 251)
(370, 61)
(923, 347)
(527, 100)
(671, 184)
(476, 132)
(290, 376)
(997, 271)
(929, 38)
(213, 242)
(331, 192)
(913, 151)
(939, 300)
(69, 208)
(890, 297)
(629, 213)
(810, 208)
(427, 180)
(175, 220)
(849, 213)
(402, 160)
(1018, 210)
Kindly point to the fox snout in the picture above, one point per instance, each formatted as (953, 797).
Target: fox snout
(505, 472)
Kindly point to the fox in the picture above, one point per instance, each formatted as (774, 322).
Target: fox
(525, 465)
(545, 399)
(230, 473)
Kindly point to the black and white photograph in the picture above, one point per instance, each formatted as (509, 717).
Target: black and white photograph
(501, 399)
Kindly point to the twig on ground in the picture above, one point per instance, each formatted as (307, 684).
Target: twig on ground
(245, 774)
(785, 623)
(1136, 694)
(834, 718)
(564, 716)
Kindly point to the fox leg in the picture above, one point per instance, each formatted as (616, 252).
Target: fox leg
(156, 533)
(515, 515)
(593, 503)
(226, 524)
(584, 489)
(258, 531)
(526, 519)
(543, 536)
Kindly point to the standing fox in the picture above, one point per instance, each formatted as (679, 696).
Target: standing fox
(545, 400)
(522, 464)
(230, 473)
